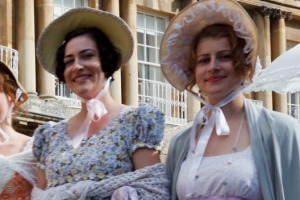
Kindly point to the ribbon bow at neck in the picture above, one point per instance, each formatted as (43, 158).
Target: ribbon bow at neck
(95, 111)
(217, 120)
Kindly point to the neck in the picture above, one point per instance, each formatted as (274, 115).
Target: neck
(7, 129)
(234, 107)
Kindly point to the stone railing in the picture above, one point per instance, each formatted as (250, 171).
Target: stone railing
(169, 100)
(294, 111)
(59, 108)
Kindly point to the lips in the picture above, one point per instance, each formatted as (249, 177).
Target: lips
(82, 78)
(214, 78)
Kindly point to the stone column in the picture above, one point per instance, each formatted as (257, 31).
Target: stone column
(193, 106)
(278, 47)
(188, 2)
(94, 4)
(297, 99)
(26, 45)
(113, 6)
(45, 80)
(129, 72)
(6, 23)
(264, 50)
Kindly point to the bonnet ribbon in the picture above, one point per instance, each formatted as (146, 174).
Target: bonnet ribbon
(217, 120)
(95, 111)
(2, 133)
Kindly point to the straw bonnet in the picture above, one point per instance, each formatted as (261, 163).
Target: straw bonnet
(53, 36)
(176, 45)
(4, 69)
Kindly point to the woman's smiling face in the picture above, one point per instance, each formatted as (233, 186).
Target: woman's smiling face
(83, 71)
(214, 72)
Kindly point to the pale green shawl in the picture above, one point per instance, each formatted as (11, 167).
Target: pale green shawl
(275, 143)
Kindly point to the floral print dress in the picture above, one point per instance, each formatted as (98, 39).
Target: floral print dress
(105, 154)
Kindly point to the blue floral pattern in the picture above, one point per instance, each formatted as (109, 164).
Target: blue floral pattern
(105, 154)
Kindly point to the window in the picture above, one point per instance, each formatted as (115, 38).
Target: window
(153, 88)
(293, 98)
(10, 57)
(60, 7)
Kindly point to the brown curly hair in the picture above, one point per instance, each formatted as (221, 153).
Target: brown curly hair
(237, 44)
(9, 86)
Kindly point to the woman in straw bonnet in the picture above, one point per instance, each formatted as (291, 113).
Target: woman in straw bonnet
(235, 148)
(17, 166)
(107, 150)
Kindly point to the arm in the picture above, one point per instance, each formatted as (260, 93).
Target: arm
(145, 157)
(147, 133)
(38, 192)
(41, 181)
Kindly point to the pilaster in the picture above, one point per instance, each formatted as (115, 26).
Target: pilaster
(262, 20)
(129, 72)
(115, 88)
(26, 45)
(6, 23)
(278, 41)
(45, 80)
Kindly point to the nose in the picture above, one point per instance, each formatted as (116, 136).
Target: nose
(77, 65)
(213, 65)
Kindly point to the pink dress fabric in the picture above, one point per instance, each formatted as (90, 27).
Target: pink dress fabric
(17, 188)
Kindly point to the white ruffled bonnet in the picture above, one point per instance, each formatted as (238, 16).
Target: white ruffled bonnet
(176, 44)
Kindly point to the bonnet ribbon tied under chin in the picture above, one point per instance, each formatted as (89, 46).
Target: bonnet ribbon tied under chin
(11, 106)
(95, 111)
(217, 120)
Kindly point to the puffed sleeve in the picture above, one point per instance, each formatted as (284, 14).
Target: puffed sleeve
(147, 126)
(40, 146)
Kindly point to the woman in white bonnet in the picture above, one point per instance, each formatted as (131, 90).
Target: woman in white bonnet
(17, 164)
(235, 149)
(108, 150)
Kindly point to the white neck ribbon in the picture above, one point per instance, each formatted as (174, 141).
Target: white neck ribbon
(96, 110)
(218, 120)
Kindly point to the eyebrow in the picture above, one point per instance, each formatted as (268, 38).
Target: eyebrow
(80, 52)
(222, 51)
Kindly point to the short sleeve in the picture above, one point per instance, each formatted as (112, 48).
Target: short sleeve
(40, 146)
(147, 127)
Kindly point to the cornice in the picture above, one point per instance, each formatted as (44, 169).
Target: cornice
(275, 13)
(283, 10)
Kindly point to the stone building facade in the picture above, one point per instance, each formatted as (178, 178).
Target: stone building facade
(139, 81)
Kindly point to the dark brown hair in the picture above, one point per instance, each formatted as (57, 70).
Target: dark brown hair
(237, 45)
(110, 56)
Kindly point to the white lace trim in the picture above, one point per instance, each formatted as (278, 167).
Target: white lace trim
(181, 36)
(23, 163)
(282, 75)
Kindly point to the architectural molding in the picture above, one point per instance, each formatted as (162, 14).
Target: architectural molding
(280, 14)
(57, 108)
(265, 11)
(275, 13)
